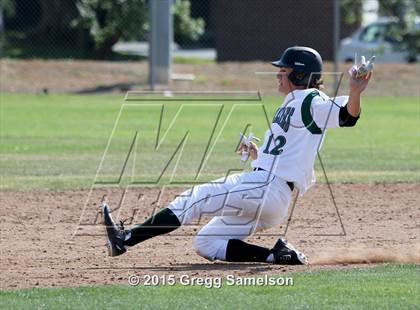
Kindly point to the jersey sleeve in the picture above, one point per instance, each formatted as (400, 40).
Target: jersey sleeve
(326, 111)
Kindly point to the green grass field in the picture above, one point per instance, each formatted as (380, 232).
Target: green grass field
(382, 287)
(57, 141)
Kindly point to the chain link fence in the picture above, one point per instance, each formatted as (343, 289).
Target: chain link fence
(90, 29)
(92, 45)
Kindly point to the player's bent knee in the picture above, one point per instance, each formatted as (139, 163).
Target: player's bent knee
(208, 247)
(202, 247)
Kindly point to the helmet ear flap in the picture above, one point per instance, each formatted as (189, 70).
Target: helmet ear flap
(300, 75)
(297, 77)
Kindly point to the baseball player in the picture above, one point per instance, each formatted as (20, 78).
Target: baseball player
(244, 203)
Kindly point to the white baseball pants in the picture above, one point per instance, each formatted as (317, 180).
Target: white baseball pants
(241, 205)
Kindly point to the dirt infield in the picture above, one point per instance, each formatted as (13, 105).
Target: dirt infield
(44, 246)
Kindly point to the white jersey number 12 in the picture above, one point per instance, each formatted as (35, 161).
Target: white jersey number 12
(279, 142)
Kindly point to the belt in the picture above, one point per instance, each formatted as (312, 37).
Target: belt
(290, 184)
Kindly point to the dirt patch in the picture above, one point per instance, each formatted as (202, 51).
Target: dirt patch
(43, 245)
(102, 76)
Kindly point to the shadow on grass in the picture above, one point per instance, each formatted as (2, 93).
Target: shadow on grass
(121, 87)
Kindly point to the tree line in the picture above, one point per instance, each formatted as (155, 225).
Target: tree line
(92, 26)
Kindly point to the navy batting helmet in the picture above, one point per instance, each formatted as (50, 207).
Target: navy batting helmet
(306, 63)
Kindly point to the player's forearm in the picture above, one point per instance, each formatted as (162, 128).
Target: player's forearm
(353, 105)
(357, 85)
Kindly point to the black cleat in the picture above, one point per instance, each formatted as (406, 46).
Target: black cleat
(285, 254)
(115, 233)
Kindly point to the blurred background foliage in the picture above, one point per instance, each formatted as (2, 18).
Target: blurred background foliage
(85, 28)
(404, 30)
(88, 29)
